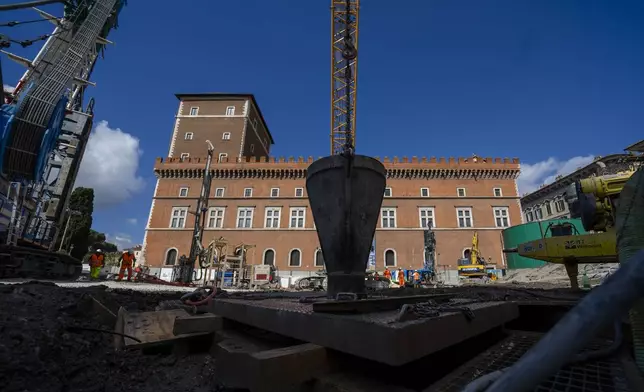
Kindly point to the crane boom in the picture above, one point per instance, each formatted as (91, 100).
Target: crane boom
(344, 73)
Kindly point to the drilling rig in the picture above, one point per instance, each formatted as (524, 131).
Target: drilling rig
(45, 131)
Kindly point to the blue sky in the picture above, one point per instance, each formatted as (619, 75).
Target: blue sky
(552, 82)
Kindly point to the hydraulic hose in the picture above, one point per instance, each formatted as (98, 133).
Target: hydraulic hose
(629, 222)
(482, 383)
(604, 304)
(28, 4)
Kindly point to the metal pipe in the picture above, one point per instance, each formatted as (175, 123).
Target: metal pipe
(601, 306)
(28, 4)
(62, 240)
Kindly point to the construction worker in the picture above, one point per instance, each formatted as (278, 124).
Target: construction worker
(127, 261)
(416, 276)
(401, 278)
(96, 262)
(387, 273)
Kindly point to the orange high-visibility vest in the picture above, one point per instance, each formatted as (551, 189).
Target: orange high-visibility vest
(127, 259)
(96, 260)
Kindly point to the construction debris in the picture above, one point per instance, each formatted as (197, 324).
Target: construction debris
(52, 342)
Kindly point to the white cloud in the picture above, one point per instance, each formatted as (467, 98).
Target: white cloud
(121, 240)
(8, 88)
(109, 166)
(132, 221)
(544, 172)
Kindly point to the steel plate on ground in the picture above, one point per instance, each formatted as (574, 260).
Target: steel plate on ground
(395, 343)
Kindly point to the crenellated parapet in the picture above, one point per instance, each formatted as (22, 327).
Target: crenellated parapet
(473, 168)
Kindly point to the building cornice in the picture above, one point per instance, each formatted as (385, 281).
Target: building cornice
(583, 172)
(473, 168)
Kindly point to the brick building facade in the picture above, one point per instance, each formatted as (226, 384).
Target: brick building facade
(262, 201)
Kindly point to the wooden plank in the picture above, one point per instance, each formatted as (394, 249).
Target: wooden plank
(241, 363)
(105, 315)
(197, 324)
(151, 327)
(119, 328)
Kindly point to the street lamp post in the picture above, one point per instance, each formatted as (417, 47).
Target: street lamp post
(69, 218)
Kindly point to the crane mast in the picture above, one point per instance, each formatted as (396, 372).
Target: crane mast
(344, 74)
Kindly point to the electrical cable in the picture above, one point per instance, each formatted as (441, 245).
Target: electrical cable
(77, 329)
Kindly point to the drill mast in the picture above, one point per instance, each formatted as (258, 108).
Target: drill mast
(344, 74)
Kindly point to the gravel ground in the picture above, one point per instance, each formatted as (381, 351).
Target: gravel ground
(39, 351)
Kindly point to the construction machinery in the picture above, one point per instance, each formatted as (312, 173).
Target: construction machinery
(45, 130)
(473, 265)
(594, 200)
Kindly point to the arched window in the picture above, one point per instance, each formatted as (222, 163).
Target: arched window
(319, 258)
(295, 258)
(269, 257)
(390, 258)
(467, 253)
(171, 256)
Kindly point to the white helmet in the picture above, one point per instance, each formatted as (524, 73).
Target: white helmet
(99, 251)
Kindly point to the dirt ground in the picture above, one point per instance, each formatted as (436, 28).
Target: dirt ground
(38, 352)
(41, 351)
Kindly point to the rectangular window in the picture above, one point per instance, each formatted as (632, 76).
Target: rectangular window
(548, 208)
(426, 216)
(388, 218)
(388, 192)
(272, 217)
(185, 155)
(529, 217)
(464, 217)
(299, 192)
(501, 216)
(216, 217)
(538, 213)
(219, 192)
(178, 217)
(245, 217)
(560, 206)
(498, 192)
(188, 136)
(230, 111)
(225, 136)
(194, 110)
(298, 215)
(460, 192)
(223, 157)
(275, 192)
(183, 192)
(248, 192)
(424, 192)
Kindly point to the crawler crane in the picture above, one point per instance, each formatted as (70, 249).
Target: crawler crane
(44, 133)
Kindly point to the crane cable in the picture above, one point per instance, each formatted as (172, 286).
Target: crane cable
(15, 23)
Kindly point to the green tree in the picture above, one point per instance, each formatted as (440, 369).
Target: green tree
(97, 240)
(78, 235)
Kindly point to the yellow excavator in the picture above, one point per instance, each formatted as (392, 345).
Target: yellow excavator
(472, 265)
(595, 201)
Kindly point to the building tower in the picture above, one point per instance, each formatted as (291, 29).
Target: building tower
(232, 122)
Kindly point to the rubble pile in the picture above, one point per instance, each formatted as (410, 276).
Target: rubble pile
(555, 274)
(44, 346)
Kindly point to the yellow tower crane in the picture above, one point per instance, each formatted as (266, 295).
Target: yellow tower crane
(344, 73)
